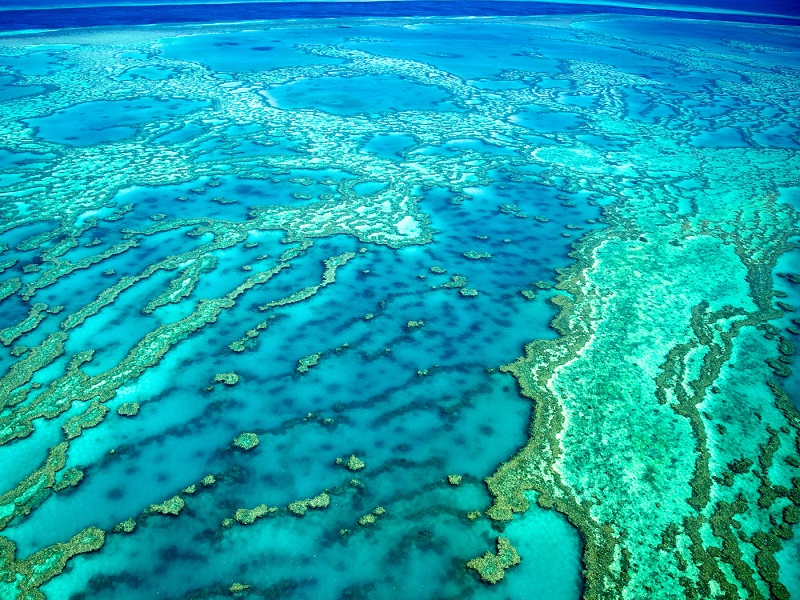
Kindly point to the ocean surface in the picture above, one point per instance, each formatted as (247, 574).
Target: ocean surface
(399, 300)
(46, 14)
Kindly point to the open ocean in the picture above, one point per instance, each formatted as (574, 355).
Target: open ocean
(399, 300)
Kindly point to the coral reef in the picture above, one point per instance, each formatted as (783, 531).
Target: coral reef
(305, 363)
(492, 566)
(226, 378)
(300, 507)
(128, 409)
(126, 526)
(248, 516)
(173, 506)
(354, 463)
(245, 441)
(661, 429)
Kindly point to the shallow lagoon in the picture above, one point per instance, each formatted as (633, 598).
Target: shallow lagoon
(363, 221)
(102, 121)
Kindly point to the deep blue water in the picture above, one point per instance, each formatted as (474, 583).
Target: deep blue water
(114, 13)
(778, 7)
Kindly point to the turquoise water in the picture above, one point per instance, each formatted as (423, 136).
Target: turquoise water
(102, 121)
(337, 235)
(246, 51)
(370, 94)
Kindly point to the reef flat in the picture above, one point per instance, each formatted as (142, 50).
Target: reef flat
(263, 289)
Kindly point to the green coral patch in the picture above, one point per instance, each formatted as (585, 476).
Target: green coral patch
(492, 566)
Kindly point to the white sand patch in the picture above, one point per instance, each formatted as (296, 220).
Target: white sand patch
(408, 226)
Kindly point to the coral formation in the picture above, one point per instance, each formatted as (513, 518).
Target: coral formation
(226, 378)
(248, 516)
(128, 409)
(300, 507)
(305, 363)
(492, 566)
(354, 463)
(668, 317)
(173, 506)
(245, 441)
(126, 526)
